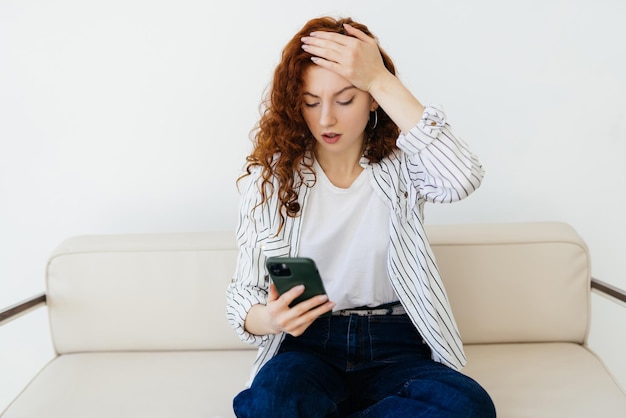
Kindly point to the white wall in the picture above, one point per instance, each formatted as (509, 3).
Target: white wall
(133, 116)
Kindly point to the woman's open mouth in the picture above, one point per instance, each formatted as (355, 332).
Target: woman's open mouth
(331, 137)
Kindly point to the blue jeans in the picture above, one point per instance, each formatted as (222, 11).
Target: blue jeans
(360, 366)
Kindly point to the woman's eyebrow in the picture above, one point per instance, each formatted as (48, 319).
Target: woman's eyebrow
(306, 93)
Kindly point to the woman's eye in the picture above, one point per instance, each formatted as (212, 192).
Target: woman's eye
(310, 104)
(346, 103)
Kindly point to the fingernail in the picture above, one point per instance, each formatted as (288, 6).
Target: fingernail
(322, 298)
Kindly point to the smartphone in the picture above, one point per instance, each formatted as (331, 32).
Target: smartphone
(287, 272)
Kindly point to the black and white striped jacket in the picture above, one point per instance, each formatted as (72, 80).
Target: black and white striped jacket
(431, 165)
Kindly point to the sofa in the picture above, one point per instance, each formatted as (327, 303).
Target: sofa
(139, 327)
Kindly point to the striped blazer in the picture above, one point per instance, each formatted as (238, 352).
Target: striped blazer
(431, 164)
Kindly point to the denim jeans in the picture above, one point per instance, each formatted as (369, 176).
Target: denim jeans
(360, 366)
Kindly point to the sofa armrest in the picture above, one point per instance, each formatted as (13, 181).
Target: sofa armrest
(21, 308)
(608, 289)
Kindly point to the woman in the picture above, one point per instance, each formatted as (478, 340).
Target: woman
(344, 159)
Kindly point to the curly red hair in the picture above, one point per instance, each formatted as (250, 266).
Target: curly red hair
(282, 138)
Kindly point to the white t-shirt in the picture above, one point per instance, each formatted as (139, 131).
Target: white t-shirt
(346, 233)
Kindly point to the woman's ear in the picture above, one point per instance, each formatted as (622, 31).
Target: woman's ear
(374, 105)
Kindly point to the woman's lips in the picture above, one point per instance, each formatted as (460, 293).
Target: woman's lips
(331, 138)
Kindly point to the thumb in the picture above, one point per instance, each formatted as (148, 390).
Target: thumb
(273, 294)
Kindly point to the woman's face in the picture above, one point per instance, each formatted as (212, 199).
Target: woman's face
(335, 111)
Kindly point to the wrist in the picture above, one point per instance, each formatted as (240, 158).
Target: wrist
(259, 321)
(382, 83)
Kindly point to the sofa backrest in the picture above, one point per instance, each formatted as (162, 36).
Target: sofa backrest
(142, 292)
(518, 282)
(506, 283)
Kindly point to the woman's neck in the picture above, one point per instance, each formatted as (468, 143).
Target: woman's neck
(340, 170)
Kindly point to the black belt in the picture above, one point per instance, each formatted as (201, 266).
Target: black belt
(394, 308)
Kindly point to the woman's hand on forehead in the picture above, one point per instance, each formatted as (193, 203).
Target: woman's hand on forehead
(356, 58)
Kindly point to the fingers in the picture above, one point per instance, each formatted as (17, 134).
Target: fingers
(290, 295)
(344, 40)
(355, 56)
(326, 49)
(303, 307)
(329, 45)
(301, 316)
(357, 33)
(323, 43)
(333, 51)
(295, 320)
(297, 327)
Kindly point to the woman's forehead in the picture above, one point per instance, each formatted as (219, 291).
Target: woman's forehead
(319, 82)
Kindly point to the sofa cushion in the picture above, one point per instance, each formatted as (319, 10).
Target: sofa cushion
(526, 282)
(524, 380)
(545, 380)
(141, 292)
(188, 384)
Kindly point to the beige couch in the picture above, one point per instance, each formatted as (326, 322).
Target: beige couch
(139, 327)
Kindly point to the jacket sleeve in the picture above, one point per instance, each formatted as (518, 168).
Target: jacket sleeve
(248, 286)
(438, 165)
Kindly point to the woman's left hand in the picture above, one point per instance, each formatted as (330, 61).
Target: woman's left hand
(356, 58)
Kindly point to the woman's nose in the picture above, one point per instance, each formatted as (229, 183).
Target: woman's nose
(327, 117)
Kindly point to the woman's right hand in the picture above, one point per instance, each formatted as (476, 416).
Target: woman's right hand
(276, 316)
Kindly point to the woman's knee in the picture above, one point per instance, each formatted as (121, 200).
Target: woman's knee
(478, 401)
(455, 393)
(287, 386)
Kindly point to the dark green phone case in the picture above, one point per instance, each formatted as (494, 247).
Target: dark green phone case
(287, 272)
